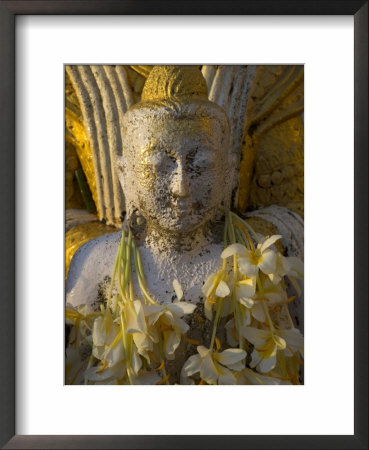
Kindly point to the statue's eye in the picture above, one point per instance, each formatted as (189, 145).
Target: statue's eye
(170, 157)
(161, 159)
(199, 160)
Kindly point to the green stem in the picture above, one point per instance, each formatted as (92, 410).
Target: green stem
(248, 226)
(225, 232)
(290, 321)
(127, 268)
(236, 306)
(88, 366)
(162, 356)
(216, 320)
(125, 349)
(231, 229)
(116, 264)
(140, 269)
(266, 310)
(241, 238)
(140, 275)
(121, 252)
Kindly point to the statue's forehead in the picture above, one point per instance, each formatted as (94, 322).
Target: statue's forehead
(166, 127)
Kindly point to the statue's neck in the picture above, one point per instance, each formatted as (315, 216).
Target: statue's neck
(161, 242)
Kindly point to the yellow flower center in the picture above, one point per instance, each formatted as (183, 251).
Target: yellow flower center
(255, 257)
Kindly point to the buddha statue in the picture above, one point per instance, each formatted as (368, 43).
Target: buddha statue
(177, 172)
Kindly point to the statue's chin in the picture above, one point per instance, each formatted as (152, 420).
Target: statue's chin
(181, 226)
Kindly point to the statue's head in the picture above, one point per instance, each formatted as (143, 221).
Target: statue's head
(175, 152)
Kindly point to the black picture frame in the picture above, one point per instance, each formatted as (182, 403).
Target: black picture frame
(8, 12)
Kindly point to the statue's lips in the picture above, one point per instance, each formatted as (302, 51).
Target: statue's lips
(185, 210)
(182, 208)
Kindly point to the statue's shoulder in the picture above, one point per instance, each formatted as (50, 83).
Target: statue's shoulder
(91, 269)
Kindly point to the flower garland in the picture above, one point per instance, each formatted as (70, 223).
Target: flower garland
(131, 339)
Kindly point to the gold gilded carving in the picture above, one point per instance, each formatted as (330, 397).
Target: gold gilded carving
(79, 235)
(142, 70)
(272, 163)
(73, 198)
(77, 136)
(136, 81)
(175, 82)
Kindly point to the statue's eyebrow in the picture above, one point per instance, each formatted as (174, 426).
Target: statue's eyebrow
(154, 143)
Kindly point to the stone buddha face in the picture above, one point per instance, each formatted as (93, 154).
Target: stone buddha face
(174, 165)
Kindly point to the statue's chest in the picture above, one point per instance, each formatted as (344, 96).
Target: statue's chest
(190, 269)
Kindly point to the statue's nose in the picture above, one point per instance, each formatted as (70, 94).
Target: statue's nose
(179, 183)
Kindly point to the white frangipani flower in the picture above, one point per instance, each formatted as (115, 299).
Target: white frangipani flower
(251, 261)
(214, 367)
(267, 343)
(107, 339)
(294, 340)
(214, 287)
(136, 326)
(167, 318)
(272, 293)
(101, 373)
(290, 266)
(245, 291)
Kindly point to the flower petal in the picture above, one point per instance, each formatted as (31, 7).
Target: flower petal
(208, 371)
(234, 249)
(268, 262)
(293, 266)
(222, 289)
(230, 356)
(280, 342)
(135, 317)
(247, 268)
(247, 302)
(181, 308)
(136, 360)
(96, 374)
(114, 355)
(208, 285)
(208, 309)
(230, 328)
(180, 326)
(143, 343)
(178, 289)
(98, 332)
(171, 342)
(245, 318)
(153, 313)
(203, 351)
(237, 366)
(258, 312)
(192, 365)
(293, 337)
(266, 365)
(225, 376)
(255, 378)
(269, 241)
(257, 337)
(247, 287)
